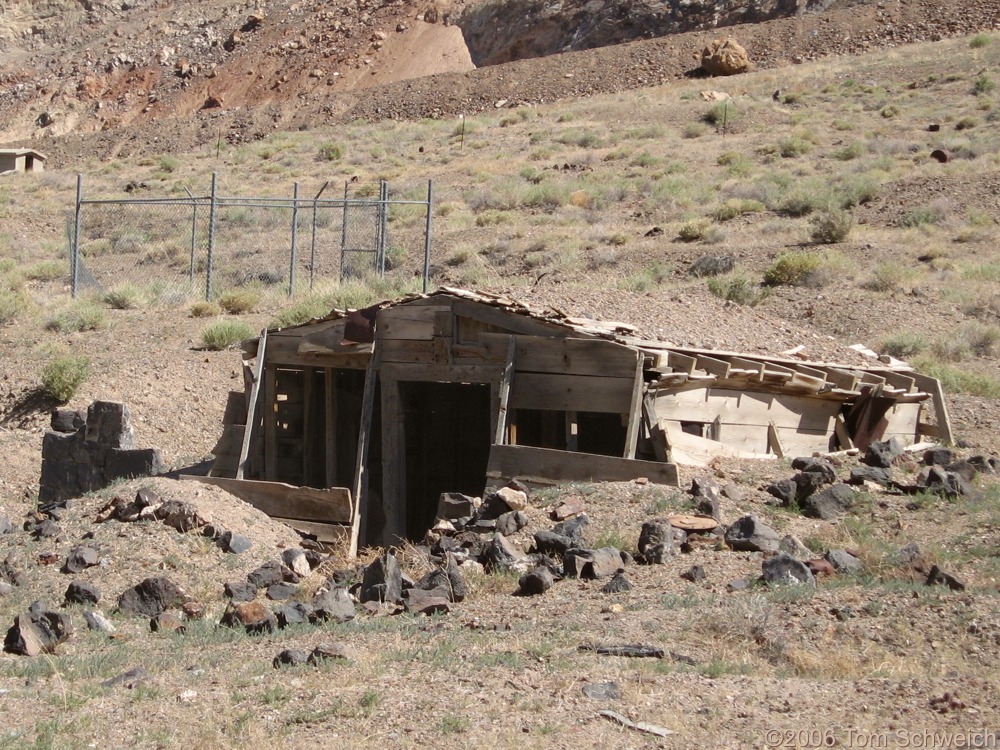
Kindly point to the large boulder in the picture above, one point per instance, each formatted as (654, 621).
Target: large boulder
(830, 503)
(725, 57)
(151, 597)
(785, 569)
(750, 534)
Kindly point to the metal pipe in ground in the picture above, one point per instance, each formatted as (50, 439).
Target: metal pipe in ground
(427, 235)
(295, 238)
(211, 240)
(74, 261)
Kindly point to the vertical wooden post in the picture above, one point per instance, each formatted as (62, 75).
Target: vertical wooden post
(635, 410)
(364, 435)
(270, 414)
(500, 436)
(251, 418)
(393, 463)
(308, 419)
(330, 406)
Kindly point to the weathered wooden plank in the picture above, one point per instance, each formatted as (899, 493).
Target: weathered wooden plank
(393, 463)
(507, 321)
(360, 485)
(774, 441)
(252, 406)
(277, 499)
(511, 461)
(747, 408)
(794, 442)
(843, 436)
(747, 365)
(656, 434)
(692, 450)
(933, 387)
(404, 322)
(844, 379)
(713, 366)
(898, 380)
(572, 393)
(681, 362)
(635, 410)
(569, 356)
(270, 417)
(903, 420)
(442, 373)
(330, 438)
(356, 360)
(325, 533)
(500, 436)
(409, 352)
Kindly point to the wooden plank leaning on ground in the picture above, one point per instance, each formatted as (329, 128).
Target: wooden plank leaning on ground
(281, 500)
(547, 466)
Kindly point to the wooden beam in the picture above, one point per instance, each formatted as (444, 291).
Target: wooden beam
(553, 466)
(550, 392)
(277, 499)
(568, 356)
(843, 436)
(393, 463)
(442, 373)
(656, 434)
(360, 485)
(713, 366)
(325, 533)
(507, 321)
(308, 418)
(270, 415)
(933, 387)
(635, 410)
(500, 437)
(773, 441)
(330, 439)
(251, 416)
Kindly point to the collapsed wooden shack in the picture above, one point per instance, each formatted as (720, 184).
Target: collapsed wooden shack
(350, 427)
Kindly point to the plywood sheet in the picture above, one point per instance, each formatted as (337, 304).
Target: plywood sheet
(747, 408)
(520, 461)
(571, 392)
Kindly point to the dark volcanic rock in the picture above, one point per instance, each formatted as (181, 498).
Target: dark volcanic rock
(334, 605)
(240, 591)
(80, 558)
(383, 581)
(882, 453)
(617, 584)
(79, 592)
(750, 534)
(876, 474)
(535, 582)
(150, 597)
(253, 617)
(785, 569)
(290, 657)
(830, 503)
(592, 563)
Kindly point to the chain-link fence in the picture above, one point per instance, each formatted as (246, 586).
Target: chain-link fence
(207, 245)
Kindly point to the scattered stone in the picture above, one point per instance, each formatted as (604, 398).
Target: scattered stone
(337, 651)
(253, 617)
(694, 574)
(830, 503)
(6, 589)
(270, 573)
(568, 509)
(820, 567)
(811, 464)
(946, 483)
(290, 657)
(38, 632)
(456, 581)
(740, 584)
(618, 584)
(750, 534)
(985, 465)
(603, 691)
(383, 581)
(80, 558)
(334, 605)
(513, 498)
(501, 554)
(295, 560)
(67, 420)
(420, 601)
(882, 453)
(296, 613)
(936, 576)
(151, 597)
(592, 563)
(656, 542)
(46, 530)
(938, 456)
(129, 680)
(5, 526)
(180, 516)
(876, 474)
(573, 528)
(511, 522)
(795, 490)
(792, 545)
(535, 582)
(455, 505)
(964, 469)
(909, 555)
(725, 58)
(844, 562)
(240, 591)
(279, 592)
(167, 622)
(551, 543)
(79, 592)
(97, 621)
(235, 544)
(193, 610)
(711, 265)
(785, 569)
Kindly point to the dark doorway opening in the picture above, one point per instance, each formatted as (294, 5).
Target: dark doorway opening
(447, 445)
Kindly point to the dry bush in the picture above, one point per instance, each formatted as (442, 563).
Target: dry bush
(239, 301)
(225, 333)
(63, 376)
(830, 227)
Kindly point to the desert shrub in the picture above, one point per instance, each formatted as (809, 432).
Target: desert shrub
(225, 333)
(853, 150)
(547, 197)
(980, 40)
(169, 163)
(127, 297)
(648, 279)
(956, 380)
(83, 316)
(46, 270)
(307, 308)
(922, 216)
(63, 376)
(904, 345)
(803, 201)
(981, 338)
(737, 207)
(951, 349)
(966, 123)
(739, 165)
(983, 85)
(239, 301)
(792, 269)
(330, 152)
(829, 227)
(794, 146)
(856, 191)
(694, 130)
(889, 111)
(738, 287)
(492, 217)
(205, 309)
(721, 114)
(887, 277)
(694, 230)
(13, 305)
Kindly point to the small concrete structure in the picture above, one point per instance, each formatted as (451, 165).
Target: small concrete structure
(21, 160)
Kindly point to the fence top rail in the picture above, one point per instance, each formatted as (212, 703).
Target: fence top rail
(253, 202)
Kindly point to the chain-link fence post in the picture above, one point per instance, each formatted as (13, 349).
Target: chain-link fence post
(194, 233)
(343, 235)
(211, 240)
(74, 260)
(312, 255)
(295, 237)
(427, 235)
